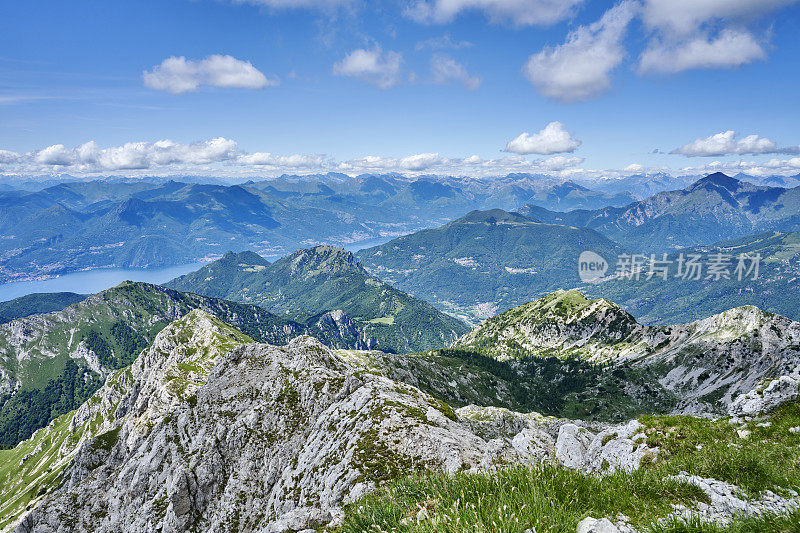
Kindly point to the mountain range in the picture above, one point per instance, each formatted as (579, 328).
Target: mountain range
(679, 299)
(325, 279)
(49, 364)
(706, 363)
(485, 261)
(207, 429)
(714, 208)
(144, 224)
(473, 267)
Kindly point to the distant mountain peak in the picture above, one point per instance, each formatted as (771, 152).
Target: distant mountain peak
(492, 216)
(246, 257)
(321, 259)
(555, 321)
(573, 305)
(717, 179)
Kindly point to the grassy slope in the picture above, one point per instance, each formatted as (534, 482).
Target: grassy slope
(34, 304)
(550, 499)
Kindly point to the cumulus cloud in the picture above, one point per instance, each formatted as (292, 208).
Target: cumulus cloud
(728, 143)
(180, 75)
(518, 12)
(581, 67)
(686, 16)
(282, 161)
(445, 69)
(135, 155)
(374, 66)
(553, 139)
(57, 154)
(731, 48)
(691, 34)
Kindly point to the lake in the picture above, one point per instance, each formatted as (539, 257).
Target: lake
(92, 281)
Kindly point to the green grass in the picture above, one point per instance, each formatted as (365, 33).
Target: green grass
(386, 320)
(769, 458)
(544, 498)
(547, 498)
(785, 523)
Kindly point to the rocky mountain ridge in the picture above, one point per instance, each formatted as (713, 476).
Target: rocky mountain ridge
(204, 429)
(706, 363)
(325, 279)
(209, 430)
(105, 332)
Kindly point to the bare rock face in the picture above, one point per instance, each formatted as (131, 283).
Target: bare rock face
(210, 431)
(205, 432)
(766, 397)
(608, 450)
(597, 525)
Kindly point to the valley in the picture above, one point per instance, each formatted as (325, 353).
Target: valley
(462, 356)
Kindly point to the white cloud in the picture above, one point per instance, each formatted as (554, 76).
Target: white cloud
(553, 139)
(691, 34)
(519, 12)
(446, 69)
(727, 143)
(773, 167)
(686, 16)
(581, 67)
(180, 75)
(8, 157)
(135, 155)
(279, 161)
(731, 48)
(57, 154)
(560, 162)
(374, 66)
(420, 161)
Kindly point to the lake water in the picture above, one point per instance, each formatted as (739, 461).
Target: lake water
(92, 281)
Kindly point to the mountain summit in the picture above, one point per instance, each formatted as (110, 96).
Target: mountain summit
(712, 209)
(310, 283)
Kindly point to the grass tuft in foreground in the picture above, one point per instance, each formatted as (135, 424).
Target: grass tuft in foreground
(544, 498)
(548, 498)
(766, 459)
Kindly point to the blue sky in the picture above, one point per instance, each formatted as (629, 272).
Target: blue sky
(350, 85)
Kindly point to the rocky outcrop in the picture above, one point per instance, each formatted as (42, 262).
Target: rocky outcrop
(192, 437)
(209, 430)
(766, 397)
(614, 448)
(562, 323)
(705, 364)
(727, 501)
(603, 525)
